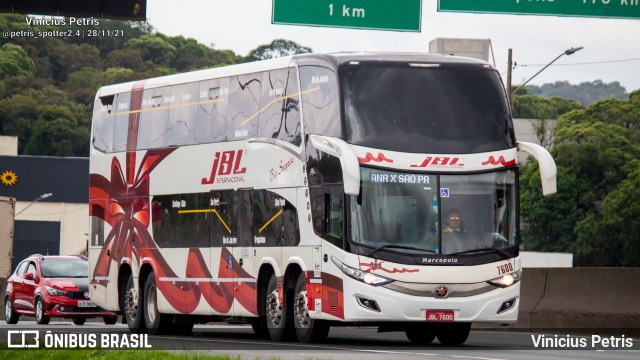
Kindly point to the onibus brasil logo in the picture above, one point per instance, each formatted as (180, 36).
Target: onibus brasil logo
(24, 339)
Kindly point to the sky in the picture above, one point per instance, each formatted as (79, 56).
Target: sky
(611, 46)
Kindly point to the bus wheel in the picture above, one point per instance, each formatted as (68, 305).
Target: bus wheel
(259, 326)
(156, 323)
(279, 324)
(307, 329)
(133, 311)
(453, 334)
(420, 335)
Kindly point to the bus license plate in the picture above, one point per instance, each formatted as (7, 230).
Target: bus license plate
(86, 304)
(440, 315)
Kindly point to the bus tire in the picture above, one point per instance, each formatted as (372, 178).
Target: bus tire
(307, 329)
(155, 322)
(454, 334)
(259, 326)
(133, 311)
(279, 322)
(420, 335)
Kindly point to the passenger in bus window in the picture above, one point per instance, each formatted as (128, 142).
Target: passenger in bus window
(453, 222)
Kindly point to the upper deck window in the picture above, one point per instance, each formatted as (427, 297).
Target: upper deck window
(446, 109)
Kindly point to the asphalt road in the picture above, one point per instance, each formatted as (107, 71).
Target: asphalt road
(342, 343)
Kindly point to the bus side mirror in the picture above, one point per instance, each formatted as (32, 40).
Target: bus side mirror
(547, 166)
(348, 160)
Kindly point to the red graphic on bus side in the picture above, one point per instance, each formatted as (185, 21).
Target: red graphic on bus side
(501, 161)
(369, 157)
(375, 265)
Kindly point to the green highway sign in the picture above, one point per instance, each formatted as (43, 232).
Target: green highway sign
(626, 9)
(395, 15)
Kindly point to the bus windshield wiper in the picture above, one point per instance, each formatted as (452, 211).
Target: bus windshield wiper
(397, 247)
(492, 249)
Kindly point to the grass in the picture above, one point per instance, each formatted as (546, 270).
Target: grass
(86, 354)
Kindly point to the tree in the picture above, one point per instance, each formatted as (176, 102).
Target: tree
(154, 48)
(595, 212)
(14, 61)
(277, 48)
(586, 92)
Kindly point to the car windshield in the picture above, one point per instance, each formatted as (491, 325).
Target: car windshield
(430, 213)
(64, 269)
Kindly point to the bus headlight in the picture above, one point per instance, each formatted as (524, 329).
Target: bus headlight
(365, 277)
(507, 280)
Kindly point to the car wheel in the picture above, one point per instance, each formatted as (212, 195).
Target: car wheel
(110, 320)
(10, 315)
(307, 329)
(133, 310)
(79, 321)
(41, 318)
(279, 323)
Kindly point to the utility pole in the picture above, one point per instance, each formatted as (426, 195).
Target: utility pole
(509, 67)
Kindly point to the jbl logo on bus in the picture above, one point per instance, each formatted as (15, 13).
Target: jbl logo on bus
(440, 161)
(225, 163)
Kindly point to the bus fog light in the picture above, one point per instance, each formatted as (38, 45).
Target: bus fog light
(507, 305)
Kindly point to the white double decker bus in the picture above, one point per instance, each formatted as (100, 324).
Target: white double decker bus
(310, 191)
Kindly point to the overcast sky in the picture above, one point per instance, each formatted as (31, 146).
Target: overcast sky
(611, 46)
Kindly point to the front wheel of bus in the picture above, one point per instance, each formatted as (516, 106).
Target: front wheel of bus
(133, 311)
(307, 329)
(278, 315)
(420, 335)
(453, 334)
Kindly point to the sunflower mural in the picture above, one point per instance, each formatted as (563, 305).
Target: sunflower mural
(8, 178)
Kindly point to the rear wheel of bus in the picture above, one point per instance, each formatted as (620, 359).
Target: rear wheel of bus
(133, 311)
(307, 329)
(155, 322)
(278, 316)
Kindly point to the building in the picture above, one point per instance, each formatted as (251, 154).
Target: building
(55, 225)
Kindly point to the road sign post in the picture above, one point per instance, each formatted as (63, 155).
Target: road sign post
(627, 9)
(394, 15)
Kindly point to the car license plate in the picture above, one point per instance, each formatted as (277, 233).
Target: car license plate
(440, 315)
(86, 304)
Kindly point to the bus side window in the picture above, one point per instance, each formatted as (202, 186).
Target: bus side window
(121, 122)
(319, 89)
(103, 123)
(279, 113)
(182, 114)
(211, 114)
(165, 220)
(327, 213)
(154, 118)
(244, 106)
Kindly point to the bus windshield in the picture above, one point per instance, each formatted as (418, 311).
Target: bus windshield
(441, 214)
(436, 109)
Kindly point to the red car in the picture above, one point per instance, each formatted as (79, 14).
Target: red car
(52, 286)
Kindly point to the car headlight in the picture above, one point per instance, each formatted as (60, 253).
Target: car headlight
(507, 280)
(55, 292)
(365, 277)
